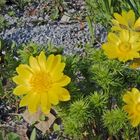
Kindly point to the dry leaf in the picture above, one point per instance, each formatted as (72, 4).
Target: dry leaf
(41, 125)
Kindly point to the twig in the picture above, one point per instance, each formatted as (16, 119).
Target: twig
(14, 114)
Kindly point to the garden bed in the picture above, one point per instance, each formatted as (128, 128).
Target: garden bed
(69, 70)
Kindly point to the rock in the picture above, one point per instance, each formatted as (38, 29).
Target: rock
(65, 18)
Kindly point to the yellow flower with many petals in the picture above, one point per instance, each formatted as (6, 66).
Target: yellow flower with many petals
(132, 107)
(126, 21)
(124, 46)
(42, 83)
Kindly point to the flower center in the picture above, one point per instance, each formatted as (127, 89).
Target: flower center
(125, 47)
(138, 107)
(41, 82)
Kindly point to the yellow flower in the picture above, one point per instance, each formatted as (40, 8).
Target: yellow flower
(124, 46)
(42, 82)
(135, 64)
(132, 107)
(126, 21)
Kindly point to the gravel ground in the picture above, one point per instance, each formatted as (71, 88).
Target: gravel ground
(68, 35)
(40, 29)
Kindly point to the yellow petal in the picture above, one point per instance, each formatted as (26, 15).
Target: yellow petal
(34, 64)
(20, 80)
(110, 50)
(65, 80)
(135, 122)
(49, 62)
(64, 96)
(124, 36)
(24, 76)
(132, 96)
(131, 18)
(58, 66)
(21, 89)
(25, 100)
(53, 95)
(135, 90)
(136, 46)
(61, 67)
(45, 104)
(132, 99)
(124, 56)
(116, 28)
(133, 54)
(127, 98)
(137, 24)
(42, 61)
(120, 19)
(135, 37)
(55, 64)
(58, 93)
(23, 70)
(56, 61)
(57, 74)
(113, 38)
(34, 102)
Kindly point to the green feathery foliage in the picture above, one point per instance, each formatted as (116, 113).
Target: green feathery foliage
(114, 120)
(76, 119)
(97, 103)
